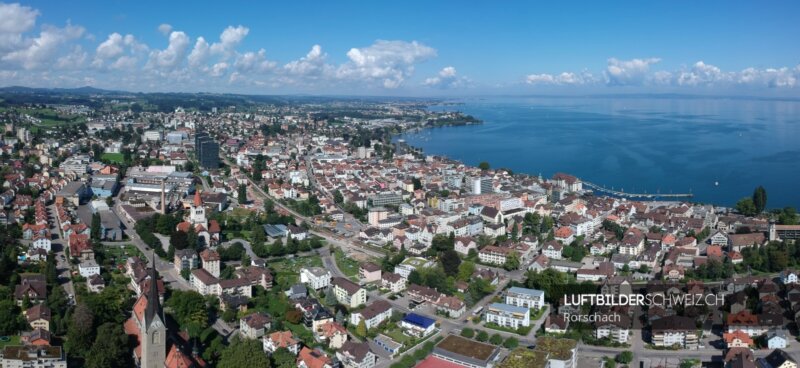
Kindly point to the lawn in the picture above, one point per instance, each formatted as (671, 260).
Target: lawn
(12, 340)
(289, 268)
(408, 342)
(113, 157)
(348, 266)
(121, 252)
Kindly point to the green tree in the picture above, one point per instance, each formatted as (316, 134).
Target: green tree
(11, 320)
(450, 262)
(80, 333)
(189, 309)
(465, 270)
(482, 336)
(787, 216)
(241, 194)
(496, 339)
(512, 261)
(511, 343)
(484, 166)
(330, 298)
(760, 199)
(338, 198)
(467, 332)
(110, 349)
(625, 357)
(414, 277)
(179, 240)
(361, 328)
(746, 207)
(95, 229)
(283, 358)
(244, 354)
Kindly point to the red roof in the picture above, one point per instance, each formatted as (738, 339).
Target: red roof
(197, 200)
(434, 362)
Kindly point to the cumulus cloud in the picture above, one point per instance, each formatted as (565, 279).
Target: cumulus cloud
(254, 62)
(199, 53)
(40, 51)
(446, 78)
(229, 39)
(118, 52)
(165, 28)
(311, 65)
(15, 20)
(390, 62)
(628, 72)
(173, 55)
(565, 78)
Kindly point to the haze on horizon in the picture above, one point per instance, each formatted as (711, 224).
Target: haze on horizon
(412, 48)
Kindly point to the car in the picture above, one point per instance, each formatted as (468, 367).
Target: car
(531, 347)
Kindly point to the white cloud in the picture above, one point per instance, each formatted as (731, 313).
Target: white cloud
(702, 74)
(165, 28)
(76, 59)
(311, 65)
(628, 72)
(199, 53)
(254, 62)
(118, 52)
(390, 62)
(173, 55)
(565, 78)
(446, 78)
(219, 69)
(15, 20)
(41, 51)
(229, 39)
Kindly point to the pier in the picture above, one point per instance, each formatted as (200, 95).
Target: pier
(623, 194)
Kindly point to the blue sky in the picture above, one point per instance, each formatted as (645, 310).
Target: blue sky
(404, 48)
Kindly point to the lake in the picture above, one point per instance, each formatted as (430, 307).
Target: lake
(719, 149)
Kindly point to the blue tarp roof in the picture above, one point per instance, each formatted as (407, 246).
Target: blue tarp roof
(418, 320)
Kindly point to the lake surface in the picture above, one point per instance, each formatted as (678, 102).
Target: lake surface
(645, 144)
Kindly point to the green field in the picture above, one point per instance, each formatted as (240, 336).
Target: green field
(348, 266)
(113, 157)
(12, 340)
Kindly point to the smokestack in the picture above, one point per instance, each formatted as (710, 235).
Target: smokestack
(163, 198)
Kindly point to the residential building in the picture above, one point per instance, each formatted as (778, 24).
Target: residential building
(316, 278)
(373, 315)
(356, 355)
(348, 292)
(416, 325)
(522, 297)
(254, 326)
(281, 339)
(33, 356)
(507, 315)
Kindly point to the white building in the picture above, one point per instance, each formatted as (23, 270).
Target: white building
(522, 297)
(315, 277)
(508, 315)
(411, 264)
(88, 268)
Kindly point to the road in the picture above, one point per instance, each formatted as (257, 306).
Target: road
(58, 245)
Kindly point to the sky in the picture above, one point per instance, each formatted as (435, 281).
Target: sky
(407, 48)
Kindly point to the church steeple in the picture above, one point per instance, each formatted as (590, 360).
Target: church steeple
(153, 308)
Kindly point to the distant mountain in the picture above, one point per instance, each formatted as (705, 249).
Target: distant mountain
(87, 90)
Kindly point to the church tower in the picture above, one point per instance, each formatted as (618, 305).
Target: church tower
(198, 211)
(153, 329)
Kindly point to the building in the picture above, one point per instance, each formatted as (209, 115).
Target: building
(777, 359)
(466, 352)
(559, 353)
(411, 264)
(507, 315)
(369, 272)
(522, 297)
(315, 277)
(39, 316)
(356, 355)
(186, 259)
(495, 255)
(392, 281)
(253, 326)
(416, 325)
(388, 344)
(88, 268)
(206, 151)
(675, 331)
(33, 356)
(373, 315)
(482, 185)
(211, 261)
(348, 292)
(281, 339)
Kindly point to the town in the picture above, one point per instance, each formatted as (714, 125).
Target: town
(183, 230)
